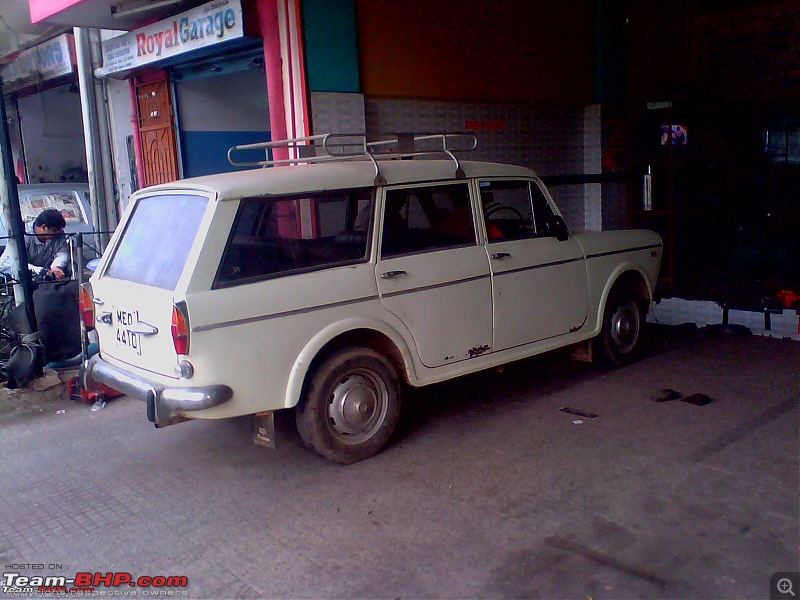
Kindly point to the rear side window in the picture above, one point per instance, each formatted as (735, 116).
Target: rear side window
(427, 218)
(276, 236)
(156, 242)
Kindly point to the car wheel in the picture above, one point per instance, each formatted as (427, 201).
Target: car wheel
(351, 406)
(620, 339)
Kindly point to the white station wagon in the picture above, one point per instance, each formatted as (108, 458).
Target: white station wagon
(329, 284)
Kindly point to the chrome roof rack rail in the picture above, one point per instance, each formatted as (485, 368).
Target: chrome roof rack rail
(329, 147)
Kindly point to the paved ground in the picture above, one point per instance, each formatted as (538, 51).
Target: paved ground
(490, 491)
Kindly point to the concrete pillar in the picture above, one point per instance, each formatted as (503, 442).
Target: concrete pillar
(281, 28)
(96, 132)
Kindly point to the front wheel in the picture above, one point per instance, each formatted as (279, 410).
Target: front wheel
(620, 339)
(351, 406)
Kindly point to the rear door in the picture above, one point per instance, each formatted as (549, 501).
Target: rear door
(432, 274)
(135, 290)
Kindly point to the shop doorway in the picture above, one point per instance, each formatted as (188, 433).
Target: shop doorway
(220, 103)
(159, 151)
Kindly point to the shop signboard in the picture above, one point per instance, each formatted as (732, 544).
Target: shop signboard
(206, 25)
(46, 61)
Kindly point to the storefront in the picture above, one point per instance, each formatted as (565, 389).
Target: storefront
(198, 87)
(44, 109)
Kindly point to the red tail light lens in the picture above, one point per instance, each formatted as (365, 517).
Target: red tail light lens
(180, 330)
(86, 307)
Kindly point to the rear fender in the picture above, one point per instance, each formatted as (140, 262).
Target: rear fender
(304, 360)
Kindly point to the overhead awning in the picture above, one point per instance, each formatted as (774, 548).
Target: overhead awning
(105, 14)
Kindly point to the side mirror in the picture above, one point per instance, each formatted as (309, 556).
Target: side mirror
(558, 227)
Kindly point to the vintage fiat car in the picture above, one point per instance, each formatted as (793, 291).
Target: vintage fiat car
(331, 285)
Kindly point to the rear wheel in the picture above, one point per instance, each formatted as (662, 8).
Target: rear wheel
(351, 406)
(620, 339)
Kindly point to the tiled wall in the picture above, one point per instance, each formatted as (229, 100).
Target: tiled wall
(337, 112)
(592, 192)
(551, 141)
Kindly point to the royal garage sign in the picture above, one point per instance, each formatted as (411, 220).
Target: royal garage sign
(204, 26)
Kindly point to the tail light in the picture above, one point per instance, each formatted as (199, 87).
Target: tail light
(180, 328)
(86, 307)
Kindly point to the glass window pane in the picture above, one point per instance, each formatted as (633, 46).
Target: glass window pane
(278, 236)
(157, 239)
(507, 210)
(427, 218)
(541, 210)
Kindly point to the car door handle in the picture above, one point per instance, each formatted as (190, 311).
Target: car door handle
(501, 255)
(392, 274)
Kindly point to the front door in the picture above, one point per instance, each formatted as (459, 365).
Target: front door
(432, 274)
(538, 282)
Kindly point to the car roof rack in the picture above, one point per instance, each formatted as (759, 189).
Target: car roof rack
(331, 147)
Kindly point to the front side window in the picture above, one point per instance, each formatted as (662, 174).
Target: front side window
(515, 210)
(157, 239)
(426, 218)
(542, 212)
(507, 209)
(275, 236)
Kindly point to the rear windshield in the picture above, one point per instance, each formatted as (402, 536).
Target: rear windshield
(156, 242)
(66, 202)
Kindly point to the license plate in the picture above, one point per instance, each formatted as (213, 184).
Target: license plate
(126, 337)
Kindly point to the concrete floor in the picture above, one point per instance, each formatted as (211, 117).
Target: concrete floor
(489, 491)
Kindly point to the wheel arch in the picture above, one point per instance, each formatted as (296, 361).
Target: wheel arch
(377, 336)
(628, 274)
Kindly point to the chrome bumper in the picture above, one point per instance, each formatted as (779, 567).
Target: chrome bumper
(162, 402)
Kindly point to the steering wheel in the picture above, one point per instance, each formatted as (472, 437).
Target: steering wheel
(501, 207)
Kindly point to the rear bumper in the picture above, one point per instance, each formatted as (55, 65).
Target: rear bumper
(162, 401)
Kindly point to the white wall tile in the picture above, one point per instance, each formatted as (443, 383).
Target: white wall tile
(337, 113)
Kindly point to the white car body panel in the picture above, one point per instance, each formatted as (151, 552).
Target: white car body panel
(542, 273)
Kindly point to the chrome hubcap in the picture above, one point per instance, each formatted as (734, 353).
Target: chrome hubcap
(357, 406)
(625, 324)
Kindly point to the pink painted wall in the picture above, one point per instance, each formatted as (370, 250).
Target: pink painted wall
(41, 9)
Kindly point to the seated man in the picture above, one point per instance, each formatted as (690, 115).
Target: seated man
(45, 244)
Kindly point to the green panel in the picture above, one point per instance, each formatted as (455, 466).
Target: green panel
(331, 45)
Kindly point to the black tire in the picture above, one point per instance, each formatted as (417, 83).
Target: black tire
(302, 428)
(620, 339)
(351, 406)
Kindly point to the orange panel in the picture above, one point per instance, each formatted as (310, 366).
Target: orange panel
(512, 50)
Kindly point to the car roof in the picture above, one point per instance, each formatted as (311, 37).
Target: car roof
(335, 175)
